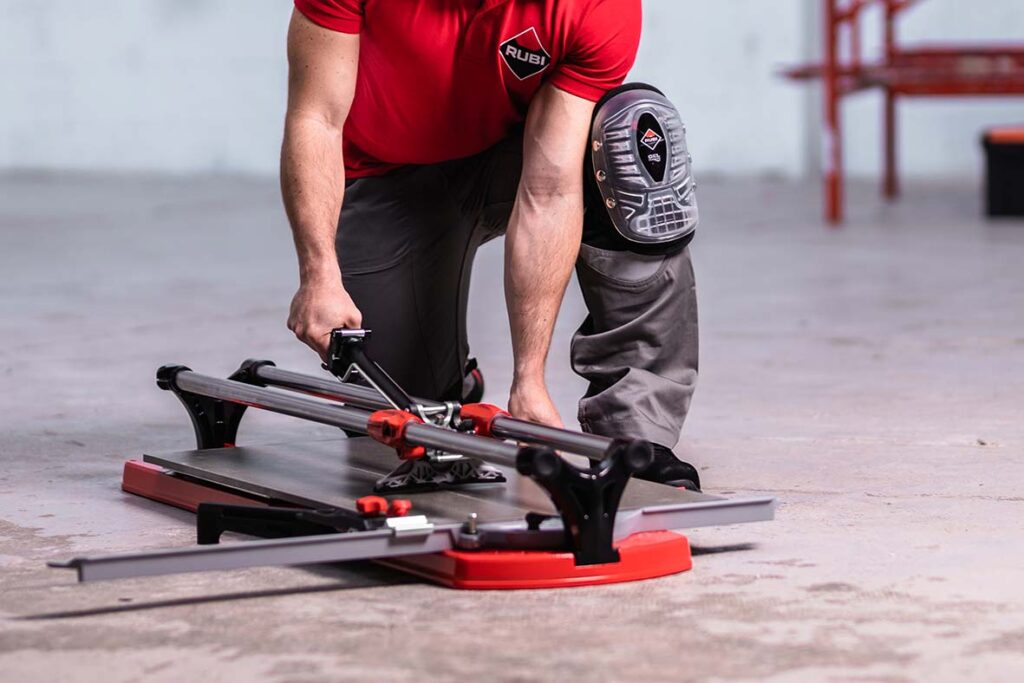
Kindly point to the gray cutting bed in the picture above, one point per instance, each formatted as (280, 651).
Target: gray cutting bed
(336, 472)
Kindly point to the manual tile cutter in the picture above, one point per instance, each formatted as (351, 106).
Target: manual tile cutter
(486, 500)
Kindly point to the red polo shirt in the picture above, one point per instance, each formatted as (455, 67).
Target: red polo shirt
(445, 79)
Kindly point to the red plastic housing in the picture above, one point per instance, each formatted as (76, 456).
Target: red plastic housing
(645, 555)
(388, 427)
(482, 416)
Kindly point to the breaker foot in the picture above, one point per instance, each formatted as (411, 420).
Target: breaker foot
(424, 474)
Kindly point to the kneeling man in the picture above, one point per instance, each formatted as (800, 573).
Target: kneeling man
(417, 130)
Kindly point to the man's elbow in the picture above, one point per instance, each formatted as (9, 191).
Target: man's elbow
(323, 122)
(552, 188)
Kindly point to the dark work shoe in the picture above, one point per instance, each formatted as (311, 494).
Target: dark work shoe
(472, 383)
(669, 470)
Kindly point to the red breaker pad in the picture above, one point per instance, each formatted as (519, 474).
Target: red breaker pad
(644, 555)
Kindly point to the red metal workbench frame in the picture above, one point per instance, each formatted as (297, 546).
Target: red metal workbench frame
(919, 71)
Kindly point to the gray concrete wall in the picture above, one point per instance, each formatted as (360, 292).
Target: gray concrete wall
(198, 85)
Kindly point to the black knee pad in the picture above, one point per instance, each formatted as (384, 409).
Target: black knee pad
(638, 182)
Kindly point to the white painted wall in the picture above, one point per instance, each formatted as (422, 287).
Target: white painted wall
(167, 85)
(198, 85)
(717, 61)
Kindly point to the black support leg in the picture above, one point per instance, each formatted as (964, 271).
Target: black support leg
(588, 499)
(215, 421)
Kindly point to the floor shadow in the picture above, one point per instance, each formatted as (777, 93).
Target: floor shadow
(354, 574)
(696, 550)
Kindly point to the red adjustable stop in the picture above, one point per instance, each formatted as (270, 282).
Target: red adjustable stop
(400, 507)
(372, 506)
(376, 506)
(482, 416)
(388, 427)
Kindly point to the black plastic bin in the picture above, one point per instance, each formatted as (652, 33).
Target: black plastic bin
(1004, 151)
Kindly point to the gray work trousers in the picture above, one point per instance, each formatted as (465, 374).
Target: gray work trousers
(406, 243)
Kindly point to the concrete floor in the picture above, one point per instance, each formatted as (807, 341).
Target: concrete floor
(872, 378)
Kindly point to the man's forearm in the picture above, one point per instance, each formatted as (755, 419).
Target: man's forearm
(313, 187)
(541, 247)
(322, 68)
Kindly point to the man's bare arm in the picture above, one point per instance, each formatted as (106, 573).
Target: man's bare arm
(543, 240)
(321, 83)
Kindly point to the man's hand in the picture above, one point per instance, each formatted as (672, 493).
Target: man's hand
(531, 401)
(319, 308)
(321, 82)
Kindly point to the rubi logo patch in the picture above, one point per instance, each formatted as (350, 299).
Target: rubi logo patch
(524, 54)
(651, 139)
